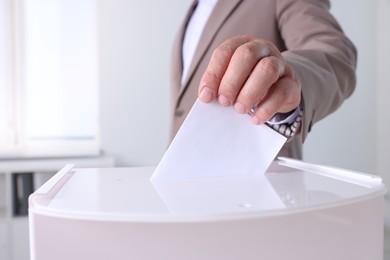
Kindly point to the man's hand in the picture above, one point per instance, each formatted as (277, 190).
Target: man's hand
(250, 74)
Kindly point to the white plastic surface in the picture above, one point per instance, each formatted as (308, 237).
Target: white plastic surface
(114, 194)
(289, 213)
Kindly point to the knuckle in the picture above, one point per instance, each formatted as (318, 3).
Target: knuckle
(284, 94)
(228, 89)
(211, 76)
(269, 66)
(265, 112)
(249, 96)
(246, 52)
(223, 53)
(227, 86)
(289, 95)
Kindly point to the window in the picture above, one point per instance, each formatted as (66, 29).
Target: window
(48, 78)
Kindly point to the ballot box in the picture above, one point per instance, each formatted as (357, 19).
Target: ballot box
(295, 210)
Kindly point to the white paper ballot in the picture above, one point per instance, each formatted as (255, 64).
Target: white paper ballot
(216, 141)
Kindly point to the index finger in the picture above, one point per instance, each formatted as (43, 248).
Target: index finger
(219, 62)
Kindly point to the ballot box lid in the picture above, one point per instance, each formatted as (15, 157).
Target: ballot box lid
(127, 194)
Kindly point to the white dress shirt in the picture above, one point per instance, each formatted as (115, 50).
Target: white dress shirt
(194, 30)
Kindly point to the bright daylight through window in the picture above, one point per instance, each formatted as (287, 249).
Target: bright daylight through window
(48, 78)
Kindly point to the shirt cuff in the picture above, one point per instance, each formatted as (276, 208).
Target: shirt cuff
(285, 118)
(287, 124)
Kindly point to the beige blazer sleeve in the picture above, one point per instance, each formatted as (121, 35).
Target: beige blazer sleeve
(308, 36)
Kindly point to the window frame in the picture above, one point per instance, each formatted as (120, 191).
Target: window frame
(18, 144)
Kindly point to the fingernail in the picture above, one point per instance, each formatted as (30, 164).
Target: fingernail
(223, 101)
(239, 108)
(206, 95)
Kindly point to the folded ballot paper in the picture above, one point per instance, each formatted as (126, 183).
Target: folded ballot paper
(216, 141)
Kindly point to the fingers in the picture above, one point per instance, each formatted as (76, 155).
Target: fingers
(284, 96)
(218, 65)
(247, 72)
(266, 73)
(241, 66)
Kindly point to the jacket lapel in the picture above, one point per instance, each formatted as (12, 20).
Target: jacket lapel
(177, 59)
(222, 10)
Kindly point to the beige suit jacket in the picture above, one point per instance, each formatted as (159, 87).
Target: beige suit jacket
(309, 38)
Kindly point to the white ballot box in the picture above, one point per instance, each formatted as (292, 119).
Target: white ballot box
(294, 211)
